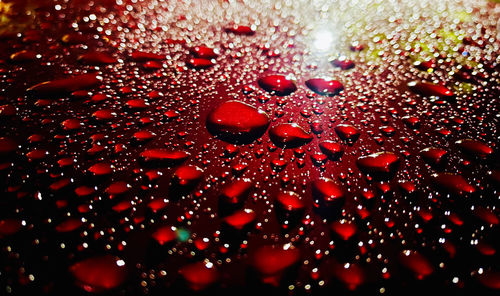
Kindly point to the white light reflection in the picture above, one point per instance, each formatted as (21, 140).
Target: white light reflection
(324, 40)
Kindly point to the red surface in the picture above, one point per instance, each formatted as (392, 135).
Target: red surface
(281, 147)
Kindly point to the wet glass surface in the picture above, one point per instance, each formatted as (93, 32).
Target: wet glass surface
(288, 147)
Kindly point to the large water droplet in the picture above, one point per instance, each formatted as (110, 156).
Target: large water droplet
(277, 84)
(325, 87)
(98, 274)
(429, 89)
(452, 183)
(66, 85)
(378, 163)
(235, 121)
(289, 135)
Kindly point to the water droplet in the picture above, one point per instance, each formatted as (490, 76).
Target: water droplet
(199, 275)
(325, 87)
(452, 183)
(235, 121)
(98, 274)
(65, 85)
(428, 89)
(289, 135)
(160, 156)
(378, 163)
(277, 84)
(347, 132)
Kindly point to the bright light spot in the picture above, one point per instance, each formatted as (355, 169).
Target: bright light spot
(120, 262)
(323, 40)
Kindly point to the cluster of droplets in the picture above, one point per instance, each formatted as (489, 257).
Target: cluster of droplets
(151, 146)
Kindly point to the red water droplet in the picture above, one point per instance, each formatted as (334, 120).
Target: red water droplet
(137, 104)
(277, 84)
(66, 85)
(490, 279)
(37, 154)
(104, 114)
(152, 65)
(428, 89)
(84, 191)
(289, 135)
(344, 230)
(486, 215)
(199, 63)
(333, 150)
(157, 204)
(387, 130)
(171, 114)
(101, 168)
(98, 274)
(319, 159)
(351, 275)
(380, 162)
(23, 56)
(99, 97)
(122, 206)
(97, 58)
(416, 263)
(271, 261)
(434, 155)
(142, 136)
(356, 46)
(486, 249)
(69, 225)
(347, 132)
(412, 121)
(204, 52)
(474, 147)
(60, 184)
(290, 201)
(407, 186)
(237, 121)
(237, 191)
(187, 175)
(317, 127)
(165, 234)
(199, 275)
(141, 56)
(278, 164)
(425, 214)
(240, 30)
(118, 187)
(231, 150)
(343, 63)
(452, 183)
(202, 243)
(325, 87)
(240, 219)
(71, 124)
(160, 155)
(328, 191)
